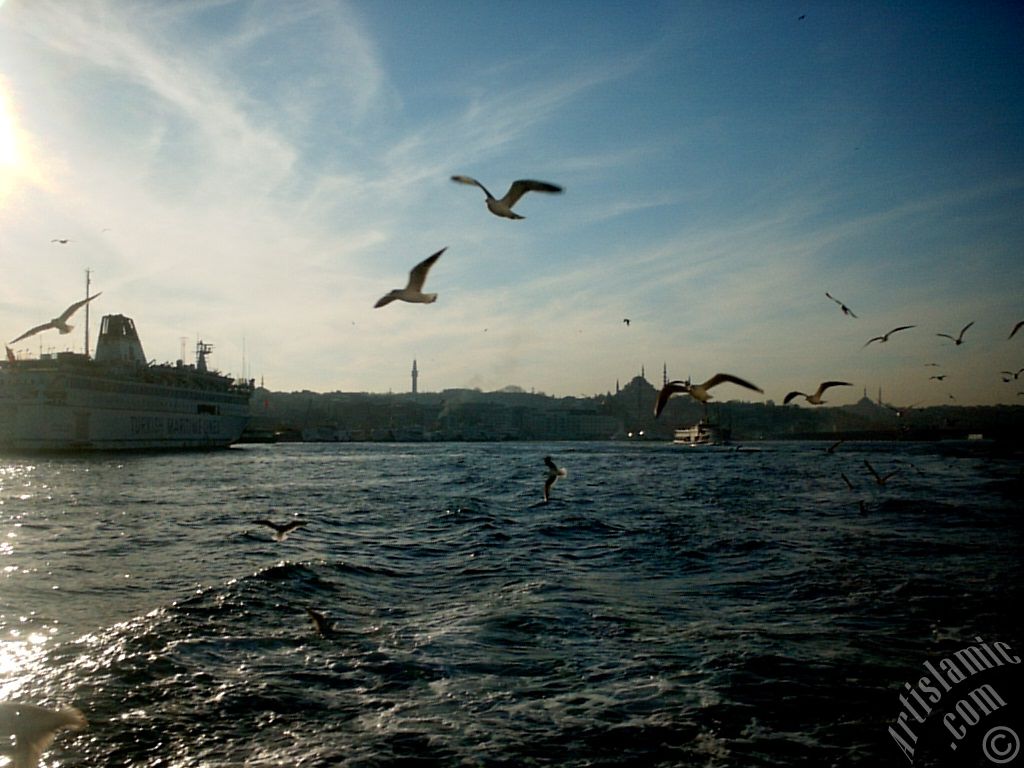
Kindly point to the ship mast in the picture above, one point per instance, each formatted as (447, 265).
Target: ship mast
(87, 275)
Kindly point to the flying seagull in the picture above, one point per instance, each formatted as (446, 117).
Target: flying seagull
(320, 622)
(554, 472)
(901, 412)
(32, 729)
(911, 465)
(60, 323)
(815, 399)
(885, 338)
(880, 479)
(940, 377)
(626, 320)
(281, 530)
(413, 291)
(61, 240)
(846, 309)
(958, 340)
(698, 391)
(1015, 328)
(836, 444)
(503, 207)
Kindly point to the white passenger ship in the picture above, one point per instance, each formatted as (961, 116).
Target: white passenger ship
(702, 434)
(118, 401)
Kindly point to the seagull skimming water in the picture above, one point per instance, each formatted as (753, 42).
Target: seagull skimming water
(60, 323)
(320, 622)
(281, 530)
(554, 472)
(880, 479)
(32, 730)
(503, 207)
(413, 291)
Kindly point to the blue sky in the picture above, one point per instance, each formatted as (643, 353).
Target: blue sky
(259, 173)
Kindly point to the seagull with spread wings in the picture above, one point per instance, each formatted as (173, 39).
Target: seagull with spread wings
(880, 479)
(554, 472)
(520, 187)
(885, 337)
(413, 291)
(26, 730)
(1016, 328)
(846, 309)
(323, 625)
(60, 323)
(698, 392)
(815, 399)
(281, 530)
(958, 340)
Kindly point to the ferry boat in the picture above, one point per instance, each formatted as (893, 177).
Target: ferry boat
(116, 400)
(703, 433)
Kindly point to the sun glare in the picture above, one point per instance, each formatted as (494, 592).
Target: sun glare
(15, 156)
(8, 144)
(8, 131)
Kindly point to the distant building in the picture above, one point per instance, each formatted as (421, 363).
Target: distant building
(415, 376)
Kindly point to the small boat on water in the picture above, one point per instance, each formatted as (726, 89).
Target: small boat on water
(703, 433)
(116, 400)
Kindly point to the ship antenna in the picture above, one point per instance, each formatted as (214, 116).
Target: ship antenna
(88, 273)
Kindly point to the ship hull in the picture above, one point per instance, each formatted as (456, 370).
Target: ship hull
(55, 411)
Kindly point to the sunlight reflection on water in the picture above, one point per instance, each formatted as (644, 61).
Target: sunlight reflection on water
(642, 615)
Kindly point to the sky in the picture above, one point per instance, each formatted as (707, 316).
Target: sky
(257, 174)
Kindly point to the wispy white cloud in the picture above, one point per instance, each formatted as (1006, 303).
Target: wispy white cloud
(264, 173)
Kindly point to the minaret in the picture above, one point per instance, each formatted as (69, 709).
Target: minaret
(87, 275)
(415, 376)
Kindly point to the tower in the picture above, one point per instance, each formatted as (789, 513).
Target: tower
(415, 376)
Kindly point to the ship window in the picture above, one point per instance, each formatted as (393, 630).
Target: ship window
(207, 408)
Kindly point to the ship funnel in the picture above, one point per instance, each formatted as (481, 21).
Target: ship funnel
(119, 341)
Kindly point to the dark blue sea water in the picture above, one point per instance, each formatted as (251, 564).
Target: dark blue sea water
(668, 607)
